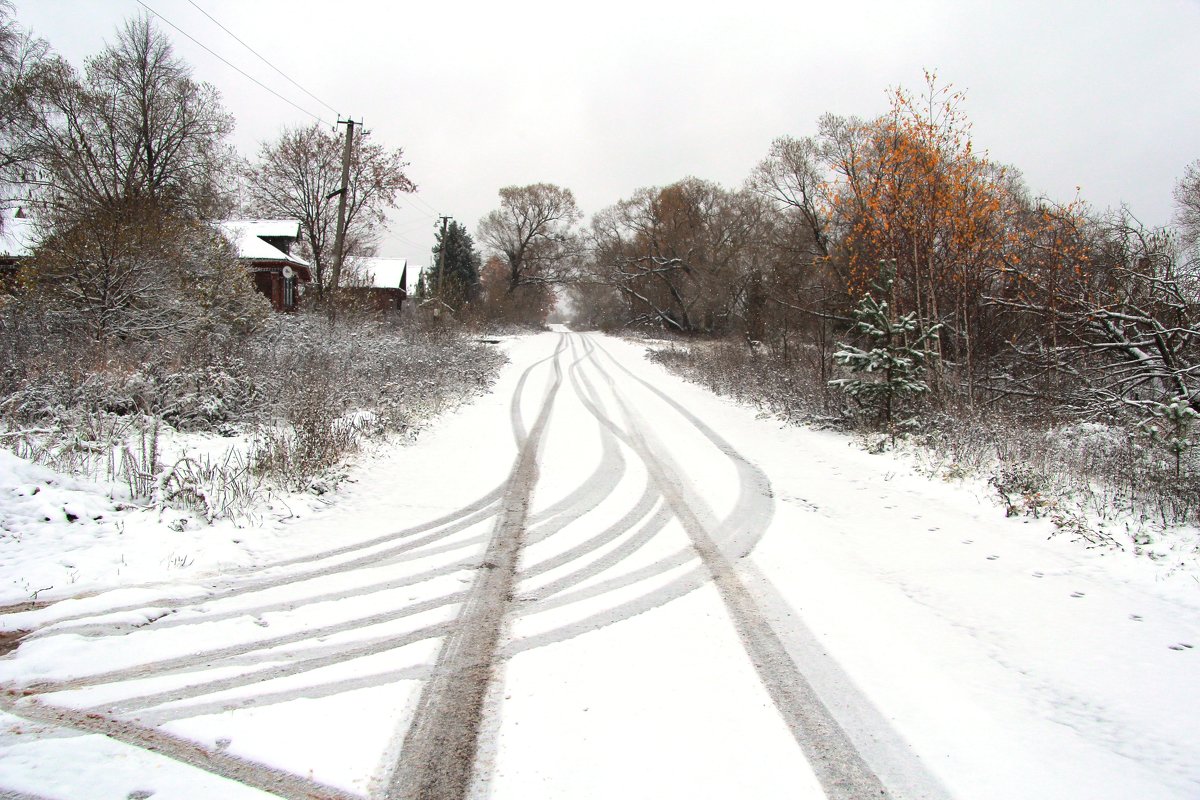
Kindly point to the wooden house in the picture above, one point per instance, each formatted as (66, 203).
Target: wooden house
(265, 245)
(17, 240)
(379, 284)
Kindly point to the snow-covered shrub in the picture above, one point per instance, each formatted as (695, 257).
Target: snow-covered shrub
(782, 385)
(323, 388)
(116, 450)
(308, 390)
(1174, 427)
(214, 489)
(1023, 489)
(1081, 474)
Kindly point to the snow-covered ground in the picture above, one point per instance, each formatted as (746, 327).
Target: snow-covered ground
(964, 654)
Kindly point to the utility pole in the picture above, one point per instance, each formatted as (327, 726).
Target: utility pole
(339, 239)
(442, 257)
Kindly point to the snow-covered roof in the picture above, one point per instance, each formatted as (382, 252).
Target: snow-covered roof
(246, 235)
(270, 227)
(383, 273)
(414, 275)
(18, 237)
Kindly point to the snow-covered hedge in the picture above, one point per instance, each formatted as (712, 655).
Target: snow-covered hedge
(299, 392)
(1105, 483)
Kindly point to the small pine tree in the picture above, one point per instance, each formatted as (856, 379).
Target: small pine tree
(1174, 424)
(893, 368)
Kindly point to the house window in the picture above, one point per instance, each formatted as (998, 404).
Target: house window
(289, 292)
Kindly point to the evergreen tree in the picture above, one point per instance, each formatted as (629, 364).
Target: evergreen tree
(893, 368)
(1174, 425)
(460, 271)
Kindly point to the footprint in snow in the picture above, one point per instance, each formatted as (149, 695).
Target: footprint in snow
(1076, 594)
(1136, 617)
(993, 558)
(1039, 574)
(1181, 646)
(968, 541)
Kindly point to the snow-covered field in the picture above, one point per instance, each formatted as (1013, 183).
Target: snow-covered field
(964, 654)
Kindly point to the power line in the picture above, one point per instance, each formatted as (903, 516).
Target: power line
(231, 66)
(409, 227)
(408, 242)
(262, 57)
(416, 198)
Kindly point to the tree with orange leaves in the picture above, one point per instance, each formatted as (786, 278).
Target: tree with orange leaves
(909, 189)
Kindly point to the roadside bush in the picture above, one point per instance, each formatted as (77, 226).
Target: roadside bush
(308, 392)
(1081, 474)
(751, 374)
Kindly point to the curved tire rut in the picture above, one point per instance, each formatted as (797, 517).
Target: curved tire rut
(435, 750)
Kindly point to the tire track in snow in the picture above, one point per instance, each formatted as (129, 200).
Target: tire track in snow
(234, 583)
(437, 758)
(283, 665)
(217, 762)
(206, 658)
(839, 767)
(675, 588)
(735, 534)
(571, 507)
(171, 619)
(176, 710)
(259, 650)
(236, 589)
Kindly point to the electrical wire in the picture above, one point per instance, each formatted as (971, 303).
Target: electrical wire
(408, 242)
(261, 57)
(429, 209)
(231, 66)
(416, 198)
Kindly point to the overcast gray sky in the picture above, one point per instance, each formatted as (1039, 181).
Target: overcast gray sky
(607, 97)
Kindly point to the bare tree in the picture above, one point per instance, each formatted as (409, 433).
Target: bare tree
(132, 164)
(533, 229)
(684, 256)
(297, 175)
(23, 66)
(1187, 207)
(792, 176)
(134, 273)
(798, 292)
(135, 129)
(1107, 308)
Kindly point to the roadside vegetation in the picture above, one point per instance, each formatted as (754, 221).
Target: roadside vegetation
(884, 276)
(1103, 483)
(211, 425)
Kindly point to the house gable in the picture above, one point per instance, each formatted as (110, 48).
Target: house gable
(264, 246)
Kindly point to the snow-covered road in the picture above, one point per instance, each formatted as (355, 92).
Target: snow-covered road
(598, 581)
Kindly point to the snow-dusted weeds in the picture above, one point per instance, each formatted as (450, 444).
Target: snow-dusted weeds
(1126, 487)
(98, 488)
